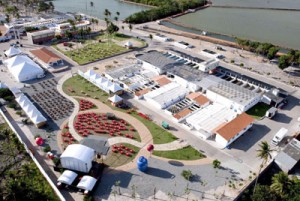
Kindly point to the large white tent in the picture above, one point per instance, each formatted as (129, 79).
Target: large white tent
(87, 183)
(67, 177)
(23, 68)
(31, 111)
(77, 157)
(12, 51)
(115, 99)
(115, 88)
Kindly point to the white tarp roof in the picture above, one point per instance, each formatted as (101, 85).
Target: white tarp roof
(31, 111)
(115, 99)
(115, 87)
(23, 68)
(167, 94)
(67, 177)
(79, 152)
(3, 86)
(95, 77)
(210, 117)
(89, 73)
(87, 183)
(12, 51)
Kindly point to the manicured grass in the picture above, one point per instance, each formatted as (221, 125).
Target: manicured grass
(93, 52)
(117, 159)
(76, 85)
(258, 110)
(159, 135)
(187, 153)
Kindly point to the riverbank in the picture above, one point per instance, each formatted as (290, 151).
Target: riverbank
(257, 8)
(138, 4)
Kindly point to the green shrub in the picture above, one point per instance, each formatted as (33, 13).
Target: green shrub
(5, 92)
(216, 163)
(8, 98)
(241, 64)
(187, 174)
(47, 149)
(232, 61)
(12, 105)
(19, 113)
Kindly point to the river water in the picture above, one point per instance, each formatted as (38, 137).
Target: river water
(97, 10)
(274, 26)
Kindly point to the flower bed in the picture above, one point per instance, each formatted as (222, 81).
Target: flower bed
(85, 105)
(66, 136)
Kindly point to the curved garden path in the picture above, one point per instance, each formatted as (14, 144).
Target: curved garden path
(145, 135)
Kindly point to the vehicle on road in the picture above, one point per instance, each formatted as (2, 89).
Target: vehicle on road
(271, 112)
(279, 136)
(165, 125)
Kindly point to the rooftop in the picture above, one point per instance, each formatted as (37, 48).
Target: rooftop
(201, 100)
(182, 113)
(123, 72)
(161, 80)
(232, 128)
(45, 55)
(289, 156)
(233, 92)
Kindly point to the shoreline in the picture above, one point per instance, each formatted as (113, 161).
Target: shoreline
(139, 4)
(258, 8)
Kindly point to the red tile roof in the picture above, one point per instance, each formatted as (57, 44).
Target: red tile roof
(232, 128)
(161, 80)
(45, 55)
(182, 113)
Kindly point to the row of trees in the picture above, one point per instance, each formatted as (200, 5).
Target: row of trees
(164, 9)
(270, 51)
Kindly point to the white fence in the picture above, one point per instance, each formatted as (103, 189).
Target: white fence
(58, 193)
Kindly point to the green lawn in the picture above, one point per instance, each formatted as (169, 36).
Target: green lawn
(78, 86)
(187, 153)
(258, 110)
(94, 51)
(117, 159)
(160, 135)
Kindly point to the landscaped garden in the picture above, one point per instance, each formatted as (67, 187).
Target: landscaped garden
(186, 153)
(259, 110)
(104, 125)
(120, 154)
(90, 50)
(78, 86)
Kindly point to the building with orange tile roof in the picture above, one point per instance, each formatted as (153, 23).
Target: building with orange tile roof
(161, 80)
(182, 113)
(47, 57)
(231, 131)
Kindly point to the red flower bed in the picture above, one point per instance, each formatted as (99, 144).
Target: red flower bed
(85, 105)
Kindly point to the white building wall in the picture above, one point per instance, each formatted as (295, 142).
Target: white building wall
(220, 140)
(151, 67)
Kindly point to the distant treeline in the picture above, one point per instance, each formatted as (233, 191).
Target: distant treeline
(269, 50)
(164, 8)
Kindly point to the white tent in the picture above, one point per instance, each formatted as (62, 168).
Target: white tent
(94, 77)
(106, 85)
(32, 112)
(99, 81)
(89, 73)
(87, 183)
(3, 86)
(67, 177)
(115, 87)
(77, 157)
(128, 44)
(17, 60)
(26, 71)
(12, 51)
(115, 99)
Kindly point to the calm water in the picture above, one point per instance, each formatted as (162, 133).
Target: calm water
(260, 3)
(97, 10)
(277, 27)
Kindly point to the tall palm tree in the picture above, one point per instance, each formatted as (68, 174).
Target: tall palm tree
(264, 153)
(130, 27)
(280, 184)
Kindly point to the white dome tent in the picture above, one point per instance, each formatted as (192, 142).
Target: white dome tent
(87, 183)
(128, 45)
(78, 157)
(12, 51)
(67, 177)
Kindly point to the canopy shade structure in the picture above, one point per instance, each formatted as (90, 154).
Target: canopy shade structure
(87, 183)
(12, 51)
(89, 73)
(31, 111)
(23, 68)
(115, 88)
(115, 99)
(77, 157)
(67, 177)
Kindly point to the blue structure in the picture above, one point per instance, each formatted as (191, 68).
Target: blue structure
(142, 164)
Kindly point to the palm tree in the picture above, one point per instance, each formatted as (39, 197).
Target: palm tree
(264, 153)
(116, 19)
(118, 13)
(130, 27)
(280, 184)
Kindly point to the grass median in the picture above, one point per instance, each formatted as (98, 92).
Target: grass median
(186, 153)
